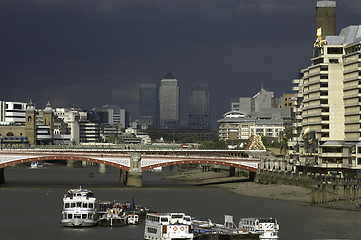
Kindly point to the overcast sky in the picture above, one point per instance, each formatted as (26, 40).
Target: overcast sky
(95, 52)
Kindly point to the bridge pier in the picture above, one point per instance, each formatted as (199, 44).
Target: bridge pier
(102, 169)
(134, 176)
(2, 176)
(252, 176)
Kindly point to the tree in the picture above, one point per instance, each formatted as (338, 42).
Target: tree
(219, 144)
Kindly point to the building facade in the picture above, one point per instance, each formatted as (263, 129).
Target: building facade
(327, 105)
(264, 105)
(149, 104)
(169, 102)
(199, 109)
(12, 112)
(236, 125)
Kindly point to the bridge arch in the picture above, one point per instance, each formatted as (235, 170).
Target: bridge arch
(221, 163)
(71, 158)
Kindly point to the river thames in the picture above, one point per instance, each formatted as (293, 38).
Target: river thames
(31, 205)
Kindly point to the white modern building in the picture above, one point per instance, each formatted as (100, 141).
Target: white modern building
(12, 113)
(236, 125)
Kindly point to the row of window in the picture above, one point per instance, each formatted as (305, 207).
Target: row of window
(79, 205)
(78, 216)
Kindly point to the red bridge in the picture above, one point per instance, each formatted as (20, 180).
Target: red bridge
(133, 162)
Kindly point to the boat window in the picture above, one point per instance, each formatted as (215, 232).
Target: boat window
(73, 205)
(77, 216)
(85, 205)
(177, 216)
(90, 215)
(78, 204)
(152, 230)
(70, 216)
(67, 205)
(164, 219)
(91, 205)
(83, 216)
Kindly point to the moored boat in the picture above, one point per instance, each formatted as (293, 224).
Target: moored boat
(267, 227)
(79, 208)
(167, 226)
(111, 214)
(36, 165)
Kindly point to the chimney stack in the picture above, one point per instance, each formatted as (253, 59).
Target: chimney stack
(326, 18)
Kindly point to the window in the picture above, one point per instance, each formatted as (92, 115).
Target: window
(67, 205)
(334, 50)
(333, 60)
(18, 106)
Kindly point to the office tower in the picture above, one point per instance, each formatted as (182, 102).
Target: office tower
(199, 107)
(326, 18)
(149, 102)
(169, 102)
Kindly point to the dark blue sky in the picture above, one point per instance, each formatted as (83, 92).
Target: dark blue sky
(95, 52)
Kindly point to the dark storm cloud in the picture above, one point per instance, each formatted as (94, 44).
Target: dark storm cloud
(93, 52)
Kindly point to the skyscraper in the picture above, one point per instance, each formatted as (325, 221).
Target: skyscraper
(169, 102)
(149, 101)
(199, 107)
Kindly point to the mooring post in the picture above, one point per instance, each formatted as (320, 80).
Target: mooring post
(134, 178)
(2, 176)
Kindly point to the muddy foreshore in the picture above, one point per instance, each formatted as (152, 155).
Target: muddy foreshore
(242, 186)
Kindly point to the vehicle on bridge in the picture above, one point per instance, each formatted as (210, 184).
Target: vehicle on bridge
(79, 209)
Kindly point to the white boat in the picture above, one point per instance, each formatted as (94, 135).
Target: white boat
(36, 165)
(132, 219)
(111, 214)
(79, 208)
(267, 227)
(167, 226)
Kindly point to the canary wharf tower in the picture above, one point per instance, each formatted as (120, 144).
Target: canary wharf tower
(169, 102)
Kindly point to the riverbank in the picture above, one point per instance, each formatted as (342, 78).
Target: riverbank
(242, 186)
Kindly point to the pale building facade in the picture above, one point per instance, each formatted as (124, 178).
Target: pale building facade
(12, 112)
(236, 125)
(327, 105)
(169, 102)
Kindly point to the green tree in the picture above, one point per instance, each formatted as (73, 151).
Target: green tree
(219, 144)
(187, 138)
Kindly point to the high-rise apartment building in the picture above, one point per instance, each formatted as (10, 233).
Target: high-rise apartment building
(149, 104)
(199, 117)
(327, 105)
(169, 102)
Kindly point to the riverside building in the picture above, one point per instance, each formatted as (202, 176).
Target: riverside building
(327, 103)
(236, 125)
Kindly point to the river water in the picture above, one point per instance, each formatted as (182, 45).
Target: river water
(31, 204)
